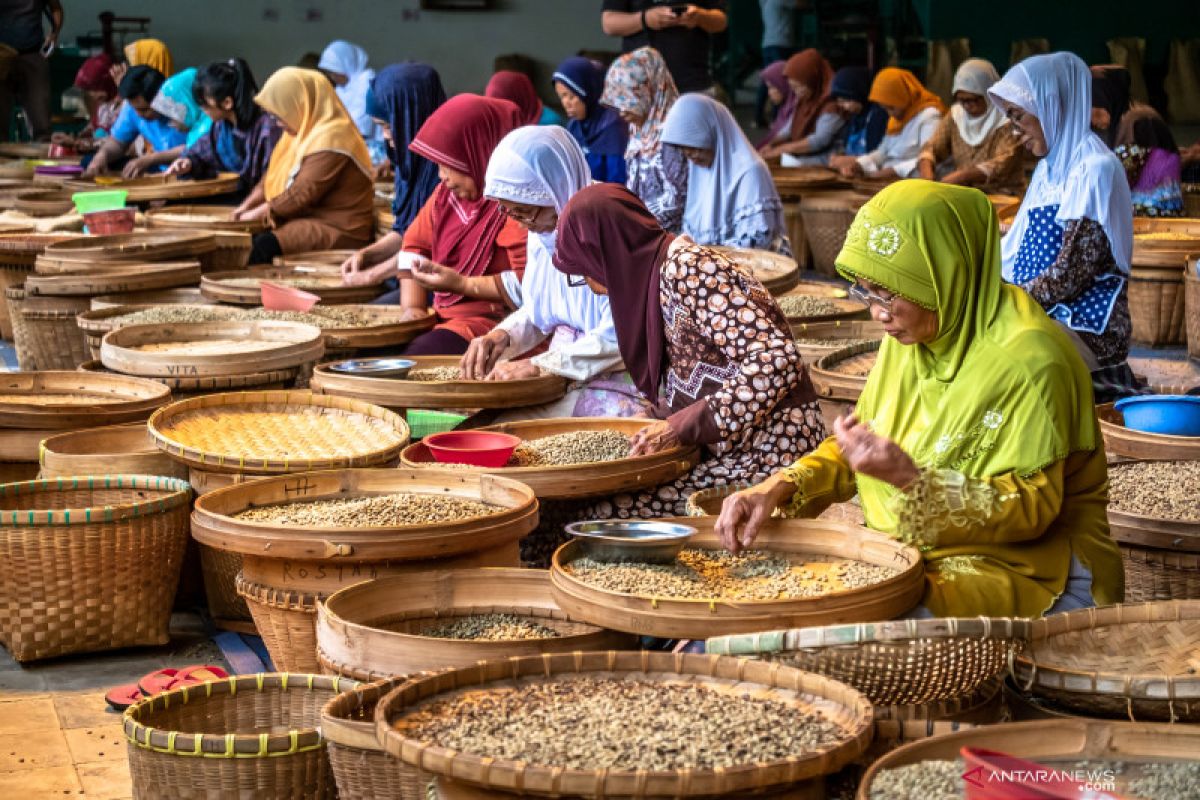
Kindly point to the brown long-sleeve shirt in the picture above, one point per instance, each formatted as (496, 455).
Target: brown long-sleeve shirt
(330, 204)
(999, 155)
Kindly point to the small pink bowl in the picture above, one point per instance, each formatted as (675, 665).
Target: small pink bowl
(286, 298)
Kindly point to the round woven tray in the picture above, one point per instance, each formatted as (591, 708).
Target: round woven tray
(68, 255)
(109, 280)
(1137, 661)
(791, 181)
(208, 218)
(374, 629)
(246, 736)
(182, 387)
(806, 691)
(114, 449)
(399, 393)
(144, 190)
(1050, 742)
(282, 345)
(363, 771)
(776, 272)
(847, 310)
(576, 480)
(217, 286)
(187, 296)
(44, 202)
(124, 400)
(22, 249)
(893, 663)
(846, 332)
(699, 619)
(1128, 443)
(272, 432)
(831, 381)
(328, 259)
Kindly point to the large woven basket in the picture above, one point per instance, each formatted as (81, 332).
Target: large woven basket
(827, 218)
(1154, 575)
(904, 662)
(838, 703)
(220, 569)
(1156, 302)
(1136, 661)
(250, 736)
(92, 563)
(1191, 290)
(360, 767)
(44, 331)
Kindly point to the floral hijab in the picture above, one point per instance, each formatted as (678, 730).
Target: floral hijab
(640, 82)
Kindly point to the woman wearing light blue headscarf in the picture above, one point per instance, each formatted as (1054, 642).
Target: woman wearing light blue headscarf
(731, 198)
(176, 102)
(346, 65)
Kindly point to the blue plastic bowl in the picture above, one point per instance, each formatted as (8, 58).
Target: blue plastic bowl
(1169, 414)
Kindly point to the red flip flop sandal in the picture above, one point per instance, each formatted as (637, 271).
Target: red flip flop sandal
(156, 682)
(122, 697)
(200, 673)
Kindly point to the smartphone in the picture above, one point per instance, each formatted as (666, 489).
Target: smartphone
(48, 49)
(679, 9)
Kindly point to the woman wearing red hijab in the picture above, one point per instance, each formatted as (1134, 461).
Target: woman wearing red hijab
(461, 245)
(703, 341)
(100, 97)
(516, 88)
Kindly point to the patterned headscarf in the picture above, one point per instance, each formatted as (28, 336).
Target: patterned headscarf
(640, 82)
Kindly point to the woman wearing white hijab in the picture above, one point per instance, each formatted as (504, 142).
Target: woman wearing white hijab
(975, 136)
(532, 174)
(731, 198)
(346, 65)
(1071, 243)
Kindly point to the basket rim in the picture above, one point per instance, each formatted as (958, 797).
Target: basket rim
(863, 633)
(140, 242)
(1027, 672)
(230, 745)
(468, 767)
(178, 492)
(283, 398)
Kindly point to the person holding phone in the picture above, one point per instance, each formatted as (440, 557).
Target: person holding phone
(28, 47)
(681, 32)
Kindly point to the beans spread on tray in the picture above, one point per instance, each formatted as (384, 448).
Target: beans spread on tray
(720, 575)
(61, 399)
(431, 374)
(1163, 489)
(372, 512)
(576, 447)
(322, 317)
(488, 628)
(803, 305)
(585, 723)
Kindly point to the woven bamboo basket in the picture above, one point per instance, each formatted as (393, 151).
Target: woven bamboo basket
(44, 203)
(402, 394)
(67, 256)
(1050, 742)
(17, 254)
(160, 187)
(188, 296)
(376, 629)
(232, 252)
(1156, 303)
(827, 218)
(699, 619)
(219, 570)
(838, 389)
(225, 287)
(277, 432)
(287, 568)
(796, 181)
(99, 562)
(45, 335)
(867, 187)
(360, 767)
(806, 692)
(846, 310)
(110, 280)
(1161, 556)
(1135, 661)
(246, 736)
(315, 260)
(1165, 236)
(117, 449)
(278, 346)
(577, 480)
(817, 339)
(185, 388)
(1139, 445)
(776, 272)
(63, 401)
(708, 502)
(204, 218)
(904, 662)
(896, 726)
(1191, 292)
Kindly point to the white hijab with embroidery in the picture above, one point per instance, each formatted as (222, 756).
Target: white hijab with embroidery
(976, 76)
(1078, 172)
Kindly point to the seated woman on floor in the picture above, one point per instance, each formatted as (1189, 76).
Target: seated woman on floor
(915, 114)
(975, 438)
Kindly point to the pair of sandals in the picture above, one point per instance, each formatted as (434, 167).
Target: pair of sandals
(163, 680)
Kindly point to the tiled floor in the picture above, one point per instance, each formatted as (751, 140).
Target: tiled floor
(58, 738)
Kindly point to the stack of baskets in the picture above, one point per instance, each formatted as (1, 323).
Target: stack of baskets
(18, 252)
(1156, 281)
(234, 239)
(1191, 291)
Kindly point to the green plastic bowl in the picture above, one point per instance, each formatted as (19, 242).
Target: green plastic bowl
(89, 202)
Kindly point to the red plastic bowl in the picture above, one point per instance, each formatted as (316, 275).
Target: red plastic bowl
(276, 297)
(118, 220)
(477, 448)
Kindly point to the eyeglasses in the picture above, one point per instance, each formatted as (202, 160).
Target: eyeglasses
(864, 295)
(526, 215)
(575, 281)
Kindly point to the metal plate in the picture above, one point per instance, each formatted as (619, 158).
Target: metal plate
(632, 540)
(375, 367)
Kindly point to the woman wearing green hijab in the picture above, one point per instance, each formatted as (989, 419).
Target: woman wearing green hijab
(975, 437)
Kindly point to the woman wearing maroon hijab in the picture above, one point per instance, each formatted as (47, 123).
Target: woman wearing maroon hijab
(461, 245)
(516, 88)
(702, 339)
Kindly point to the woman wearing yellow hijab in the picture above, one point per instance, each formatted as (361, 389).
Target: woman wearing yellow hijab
(150, 53)
(915, 115)
(975, 438)
(317, 193)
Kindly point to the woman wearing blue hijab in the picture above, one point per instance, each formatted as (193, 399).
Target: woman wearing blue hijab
(401, 98)
(599, 129)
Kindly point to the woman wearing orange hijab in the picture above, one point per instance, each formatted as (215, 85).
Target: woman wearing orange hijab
(915, 115)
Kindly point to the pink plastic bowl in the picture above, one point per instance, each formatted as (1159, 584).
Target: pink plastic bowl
(286, 298)
(477, 448)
